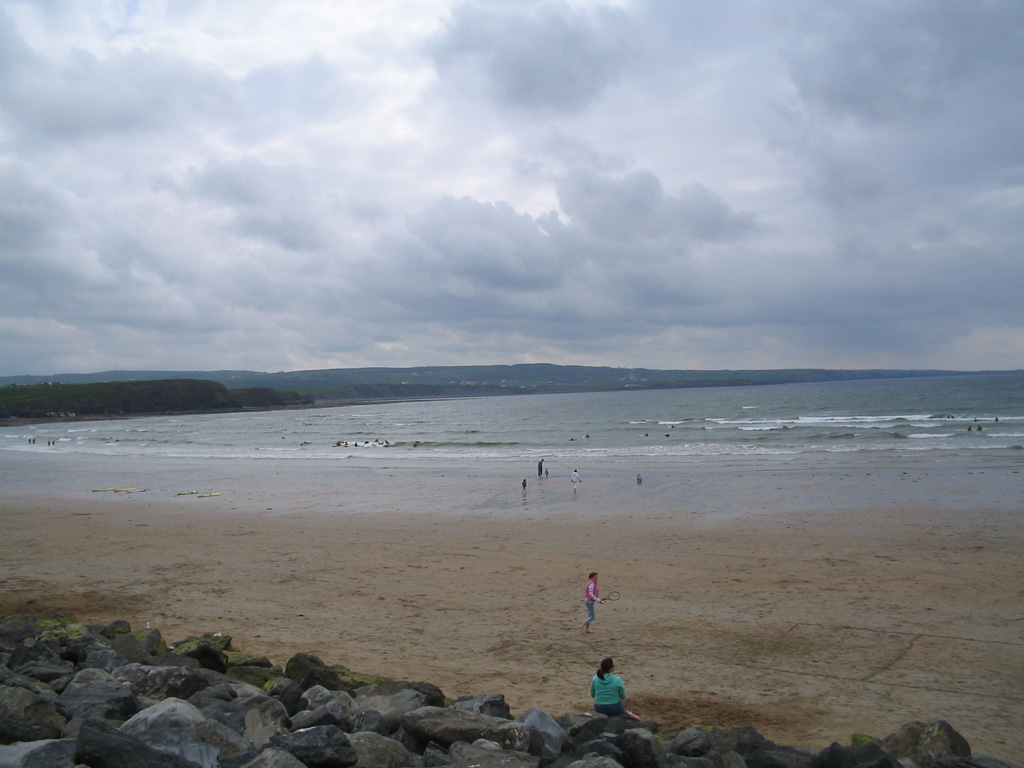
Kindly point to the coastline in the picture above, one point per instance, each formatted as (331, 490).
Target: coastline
(810, 598)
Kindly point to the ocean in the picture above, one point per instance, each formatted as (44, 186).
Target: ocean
(949, 416)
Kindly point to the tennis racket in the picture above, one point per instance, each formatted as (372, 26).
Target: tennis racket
(612, 596)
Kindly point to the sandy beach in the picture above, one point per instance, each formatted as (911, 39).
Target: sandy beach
(810, 598)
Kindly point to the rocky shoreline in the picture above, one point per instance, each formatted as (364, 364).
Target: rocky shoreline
(112, 697)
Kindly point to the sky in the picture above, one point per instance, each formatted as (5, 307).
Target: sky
(279, 185)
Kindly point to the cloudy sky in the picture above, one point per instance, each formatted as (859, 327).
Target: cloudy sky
(282, 185)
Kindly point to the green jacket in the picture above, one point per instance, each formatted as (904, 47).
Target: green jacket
(609, 690)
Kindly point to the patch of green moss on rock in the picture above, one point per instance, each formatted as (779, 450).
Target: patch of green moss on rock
(261, 677)
(861, 739)
(243, 659)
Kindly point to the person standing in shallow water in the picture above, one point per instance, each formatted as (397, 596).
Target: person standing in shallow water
(590, 598)
(576, 479)
(608, 691)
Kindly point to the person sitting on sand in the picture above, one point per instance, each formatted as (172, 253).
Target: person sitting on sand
(608, 691)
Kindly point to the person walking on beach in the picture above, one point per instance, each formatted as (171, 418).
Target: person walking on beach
(576, 480)
(590, 598)
(540, 468)
(524, 486)
(608, 691)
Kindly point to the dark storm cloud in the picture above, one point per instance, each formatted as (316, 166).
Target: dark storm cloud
(547, 55)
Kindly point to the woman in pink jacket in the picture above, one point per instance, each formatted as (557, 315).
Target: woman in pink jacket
(590, 598)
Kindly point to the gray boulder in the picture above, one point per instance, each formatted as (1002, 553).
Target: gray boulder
(391, 706)
(323, 746)
(162, 682)
(836, 756)
(27, 715)
(46, 670)
(690, 742)
(103, 658)
(640, 748)
(50, 753)
(317, 696)
(547, 738)
(228, 742)
(926, 743)
(182, 742)
(275, 758)
(492, 704)
(672, 760)
(446, 726)
(308, 670)
(330, 713)
(100, 745)
(169, 713)
(376, 751)
(487, 754)
(594, 762)
(265, 719)
(95, 693)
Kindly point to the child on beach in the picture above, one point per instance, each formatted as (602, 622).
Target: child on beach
(608, 691)
(590, 597)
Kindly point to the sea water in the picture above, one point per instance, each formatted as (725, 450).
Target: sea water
(953, 415)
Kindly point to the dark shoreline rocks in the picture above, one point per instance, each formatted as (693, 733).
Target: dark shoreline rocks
(109, 697)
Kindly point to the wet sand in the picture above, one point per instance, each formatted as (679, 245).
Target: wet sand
(810, 598)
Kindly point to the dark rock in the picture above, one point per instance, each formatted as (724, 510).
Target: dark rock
(582, 727)
(487, 754)
(307, 670)
(15, 629)
(318, 696)
(547, 738)
(265, 719)
(183, 742)
(103, 658)
(31, 651)
(741, 740)
(115, 628)
(323, 746)
(672, 760)
(274, 758)
(435, 756)
(289, 693)
(926, 743)
(28, 714)
(100, 745)
(391, 706)
(601, 748)
(376, 751)
(51, 753)
(492, 704)
(162, 682)
(330, 713)
(865, 756)
(779, 757)
(169, 713)
(640, 749)
(217, 692)
(205, 651)
(446, 726)
(594, 762)
(132, 649)
(690, 742)
(47, 670)
(371, 721)
(228, 742)
(172, 659)
(79, 647)
(434, 695)
(94, 693)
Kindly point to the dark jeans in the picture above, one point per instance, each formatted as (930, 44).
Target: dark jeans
(610, 709)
